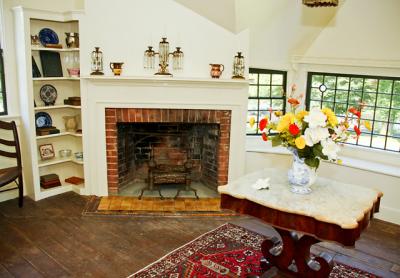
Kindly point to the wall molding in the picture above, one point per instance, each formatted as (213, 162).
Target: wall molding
(351, 62)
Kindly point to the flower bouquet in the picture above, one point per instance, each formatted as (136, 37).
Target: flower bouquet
(311, 136)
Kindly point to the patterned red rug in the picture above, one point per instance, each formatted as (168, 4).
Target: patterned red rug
(228, 251)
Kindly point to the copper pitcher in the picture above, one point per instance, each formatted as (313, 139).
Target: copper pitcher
(216, 70)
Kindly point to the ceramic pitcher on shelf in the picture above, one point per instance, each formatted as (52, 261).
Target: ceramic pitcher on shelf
(71, 123)
(216, 70)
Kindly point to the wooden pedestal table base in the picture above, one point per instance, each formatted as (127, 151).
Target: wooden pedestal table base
(292, 255)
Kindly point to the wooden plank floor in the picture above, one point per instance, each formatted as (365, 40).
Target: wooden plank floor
(51, 238)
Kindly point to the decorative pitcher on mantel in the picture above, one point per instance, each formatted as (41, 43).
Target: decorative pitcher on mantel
(216, 70)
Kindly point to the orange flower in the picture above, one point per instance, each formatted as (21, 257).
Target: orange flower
(264, 136)
(293, 101)
(354, 111)
(357, 130)
(263, 123)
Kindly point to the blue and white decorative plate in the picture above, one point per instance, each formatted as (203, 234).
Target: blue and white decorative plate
(43, 119)
(46, 35)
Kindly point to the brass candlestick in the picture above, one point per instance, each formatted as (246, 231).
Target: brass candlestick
(163, 57)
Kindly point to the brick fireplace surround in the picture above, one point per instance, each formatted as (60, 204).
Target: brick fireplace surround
(184, 116)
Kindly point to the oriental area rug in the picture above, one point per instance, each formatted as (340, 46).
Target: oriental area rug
(228, 251)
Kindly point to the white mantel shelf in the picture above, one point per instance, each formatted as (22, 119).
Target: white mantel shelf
(167, 80)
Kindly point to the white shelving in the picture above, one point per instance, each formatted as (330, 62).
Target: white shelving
(56, 78)
(34, 48)
(39, 108)
(27, 23)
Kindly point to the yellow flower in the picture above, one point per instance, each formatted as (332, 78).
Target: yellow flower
(300, 115)
(339, 161)
(367, 125)
(284, 122)
(252, 121)
(300, 142)
(332, 120)
(278, 113)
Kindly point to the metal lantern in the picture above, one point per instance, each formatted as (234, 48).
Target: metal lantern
(238, 66)
(97, 62)
(149, 58)
(177, 59)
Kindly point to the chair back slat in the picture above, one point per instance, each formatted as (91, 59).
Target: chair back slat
(7, 142)
(8, 154)
(6, 125)
(17, 154)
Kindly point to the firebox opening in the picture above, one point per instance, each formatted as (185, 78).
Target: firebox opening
(186, 152)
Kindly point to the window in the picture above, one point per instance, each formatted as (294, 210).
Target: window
(3, 104)
(381, 96)
(266, 95)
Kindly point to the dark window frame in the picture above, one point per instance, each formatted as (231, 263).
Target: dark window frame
(348, 104)
(3, 84)
(283, 97)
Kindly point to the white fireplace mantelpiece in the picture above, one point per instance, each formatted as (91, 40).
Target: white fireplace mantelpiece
(98, 93)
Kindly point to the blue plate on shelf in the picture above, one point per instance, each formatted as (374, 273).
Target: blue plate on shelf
(43, 119)
(46, 35)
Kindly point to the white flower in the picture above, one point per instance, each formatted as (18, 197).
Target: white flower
(330, 149)
(315, 135)
(340, 132)
(315, 118)
(261, 184)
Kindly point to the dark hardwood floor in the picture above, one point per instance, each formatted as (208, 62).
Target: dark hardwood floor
(51, 238)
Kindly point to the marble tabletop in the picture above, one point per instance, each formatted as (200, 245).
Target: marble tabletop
(330, 201)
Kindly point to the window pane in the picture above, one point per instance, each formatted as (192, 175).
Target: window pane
(343, 83)
(277, 104)
(330, 82)
(364, 140)
(316, 94)
(329, 95)
(340, 109)
(253, 78)
(393, 144)
(380, 128)
(394, 130)
(368, 113)
(315, 104)
(356, 84)
(395, 116)
(252, 91)
(383, 100)
(378, 142)
(381, 114)
(265, 79)
(369, 99)
(317, 80)
(328, 105)
(263, 114)
(341, 96)
(265, 104)
(277, 79)
(385, 86)
(265, 91)
(396, 87)
(371, 85)
(276, 91)
(253, 104)
(355, 97)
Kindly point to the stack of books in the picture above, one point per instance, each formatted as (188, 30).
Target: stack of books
(49, 181)
(40, 131)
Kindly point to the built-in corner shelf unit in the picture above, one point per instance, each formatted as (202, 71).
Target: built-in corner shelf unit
(29, 22)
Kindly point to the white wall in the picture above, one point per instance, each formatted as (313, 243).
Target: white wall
(126, 28)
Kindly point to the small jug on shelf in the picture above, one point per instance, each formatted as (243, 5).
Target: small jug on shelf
(216, 70)
(71, 123)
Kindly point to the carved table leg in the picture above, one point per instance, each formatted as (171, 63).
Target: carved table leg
(292, 255)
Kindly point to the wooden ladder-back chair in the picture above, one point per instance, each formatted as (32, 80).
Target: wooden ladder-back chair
(12, 174)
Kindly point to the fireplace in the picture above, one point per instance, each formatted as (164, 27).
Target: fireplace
(110, 102)
(136, 136)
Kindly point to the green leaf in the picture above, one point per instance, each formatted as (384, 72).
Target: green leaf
(276, 141)
(312, 162)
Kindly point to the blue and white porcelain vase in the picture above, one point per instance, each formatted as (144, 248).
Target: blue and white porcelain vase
(300, 176)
